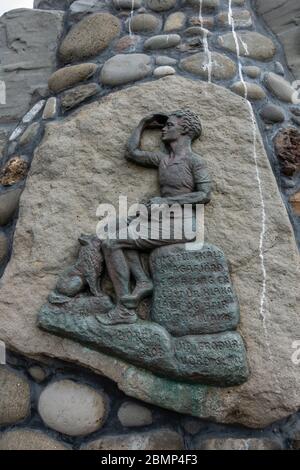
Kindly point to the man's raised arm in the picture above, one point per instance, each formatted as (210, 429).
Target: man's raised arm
(133, 151)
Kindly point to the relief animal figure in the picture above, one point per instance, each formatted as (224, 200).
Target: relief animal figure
(87, 270)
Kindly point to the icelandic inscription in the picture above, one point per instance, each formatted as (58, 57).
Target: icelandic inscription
(193, 292)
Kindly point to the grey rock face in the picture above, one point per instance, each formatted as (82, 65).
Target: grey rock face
(162, 41)
(70, 76)
(282, 17)
(14, 397)
(71, 408)
(125, 68)
(28, 39)
(79, 8)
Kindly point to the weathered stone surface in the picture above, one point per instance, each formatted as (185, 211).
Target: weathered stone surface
(161, 439)
(144, 23)
(30, 134)
(8, 204)
(282, 16)
(287, 148)
(295, 202)
(14, 397)
(162, 41)
(71, 408)
(252, 91)
(208, 21)
(175, 21)
(89, 37)
(131, 414)
(281, 88)
(207, 5)
(77, 95)
(272, 114)
(28, 39)
(197, 31)
(252, 44)
(70, 76)
(252, 71)
(125, 68)
(241, 18)
(160, 5)
(222, 67)
(163, 71)
(3, 246)
(235, 443)
(27, 439)
(45, 244)
(50, 108)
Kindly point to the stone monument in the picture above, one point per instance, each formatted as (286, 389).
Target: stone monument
(189, 333)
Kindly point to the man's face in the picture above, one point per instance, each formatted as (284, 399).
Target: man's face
(172, 130)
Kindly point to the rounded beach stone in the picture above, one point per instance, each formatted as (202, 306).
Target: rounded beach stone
(27, 439)
(206, 4)
(14, 397)
(37, 373)
(253, 91)
(71, 408)
(222, 67)
(144, 23)
(175, 21)
(252, 71)
(89, 37)
(163, 71)
(280, 87)
(272, 114)
(162, 41)
(160, 5)
(70, 76)
(241, 18)
(131, 414)
(125, 68)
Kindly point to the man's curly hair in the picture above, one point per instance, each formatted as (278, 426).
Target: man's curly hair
(190, 121)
